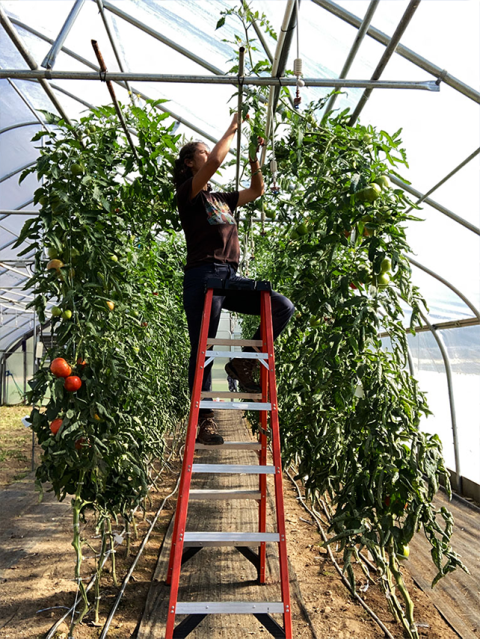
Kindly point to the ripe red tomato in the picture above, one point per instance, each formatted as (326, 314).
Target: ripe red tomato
(56, 425)
(60, 367)
(73, 383)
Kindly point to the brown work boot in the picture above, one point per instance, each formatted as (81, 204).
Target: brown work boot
(208, 431)
(244, 370)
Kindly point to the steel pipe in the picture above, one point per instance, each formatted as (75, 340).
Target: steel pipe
(113, 45)
(442, 326)
(471, 306)
(447, 177)
(18, 126)
(28, 105)
(161, 38)
(22, 168)
(441, 74)
(89, 64)
(435, 205)
(362, 31)
(241, 78)
(451, 398)
(103, 69)
(14, 37)
(40, 74)
(49, 60)
(387, 54)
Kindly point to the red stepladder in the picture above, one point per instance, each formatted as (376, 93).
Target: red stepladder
(185, 544)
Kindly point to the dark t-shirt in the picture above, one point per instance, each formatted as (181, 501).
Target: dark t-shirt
(209, 226)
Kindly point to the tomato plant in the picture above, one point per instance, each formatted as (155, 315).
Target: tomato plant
(128, 390)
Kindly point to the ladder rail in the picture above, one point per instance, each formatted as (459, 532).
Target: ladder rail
(267, 336)
(176, 550)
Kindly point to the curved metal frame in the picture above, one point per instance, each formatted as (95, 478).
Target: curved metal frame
(463, 297)
(19, 126)
(451, 399)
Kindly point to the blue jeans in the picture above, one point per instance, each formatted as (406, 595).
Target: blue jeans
(193, 301)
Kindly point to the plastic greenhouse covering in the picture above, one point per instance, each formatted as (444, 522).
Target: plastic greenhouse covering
(441, 132)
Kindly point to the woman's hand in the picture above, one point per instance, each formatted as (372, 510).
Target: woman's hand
(234, 124)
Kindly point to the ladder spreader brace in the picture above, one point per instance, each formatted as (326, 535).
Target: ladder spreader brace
(186, 544)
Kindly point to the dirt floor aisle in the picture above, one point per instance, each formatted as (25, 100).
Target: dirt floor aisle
(222, 574)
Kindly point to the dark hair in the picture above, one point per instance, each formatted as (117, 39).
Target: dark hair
(181, 171)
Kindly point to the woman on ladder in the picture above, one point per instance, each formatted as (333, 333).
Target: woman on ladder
(213, 250)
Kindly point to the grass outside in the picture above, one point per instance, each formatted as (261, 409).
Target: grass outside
(15, 444)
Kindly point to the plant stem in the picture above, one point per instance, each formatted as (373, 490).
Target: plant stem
(112, 552)
(77, 504)
(412, 629)
(127, 535)
(99, 569)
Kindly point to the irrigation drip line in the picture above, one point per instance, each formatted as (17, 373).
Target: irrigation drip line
(355, 595)
(93, 579)
(134, 564)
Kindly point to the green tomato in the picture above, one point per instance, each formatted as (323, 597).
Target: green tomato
(114, 258)
(403, 552)
(386, 265)
(367, 138)
(66, 315)
(302, 229)
(42, 200)
(77, 169)
(383, 182)
(369, 193)
(270, 213)
(383, 280)
(56, 311)
(52, 252)
(294, 235)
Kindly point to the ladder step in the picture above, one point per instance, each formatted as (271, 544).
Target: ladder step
(225, 494)
(212, 393)
(236, 405)
(227, 539)
(228, 607)
(231, 446)
(236, 355)
(233, 342)
(233, 469)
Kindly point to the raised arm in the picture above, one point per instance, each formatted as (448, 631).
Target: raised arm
(256, 188)
(205, 167)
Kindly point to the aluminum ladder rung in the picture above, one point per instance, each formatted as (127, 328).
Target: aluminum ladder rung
(201, 539)
(228, 607)
(233, 342)
(235, 405)
(233, 469)
(213, 393)
(235, 355)
(225, 494)
(230, 446)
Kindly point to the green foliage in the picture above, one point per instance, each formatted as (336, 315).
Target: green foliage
(101, 212)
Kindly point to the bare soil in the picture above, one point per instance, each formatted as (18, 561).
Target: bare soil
(15, 444)
(39, 588)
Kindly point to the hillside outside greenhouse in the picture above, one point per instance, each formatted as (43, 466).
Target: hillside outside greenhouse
(239, 319)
